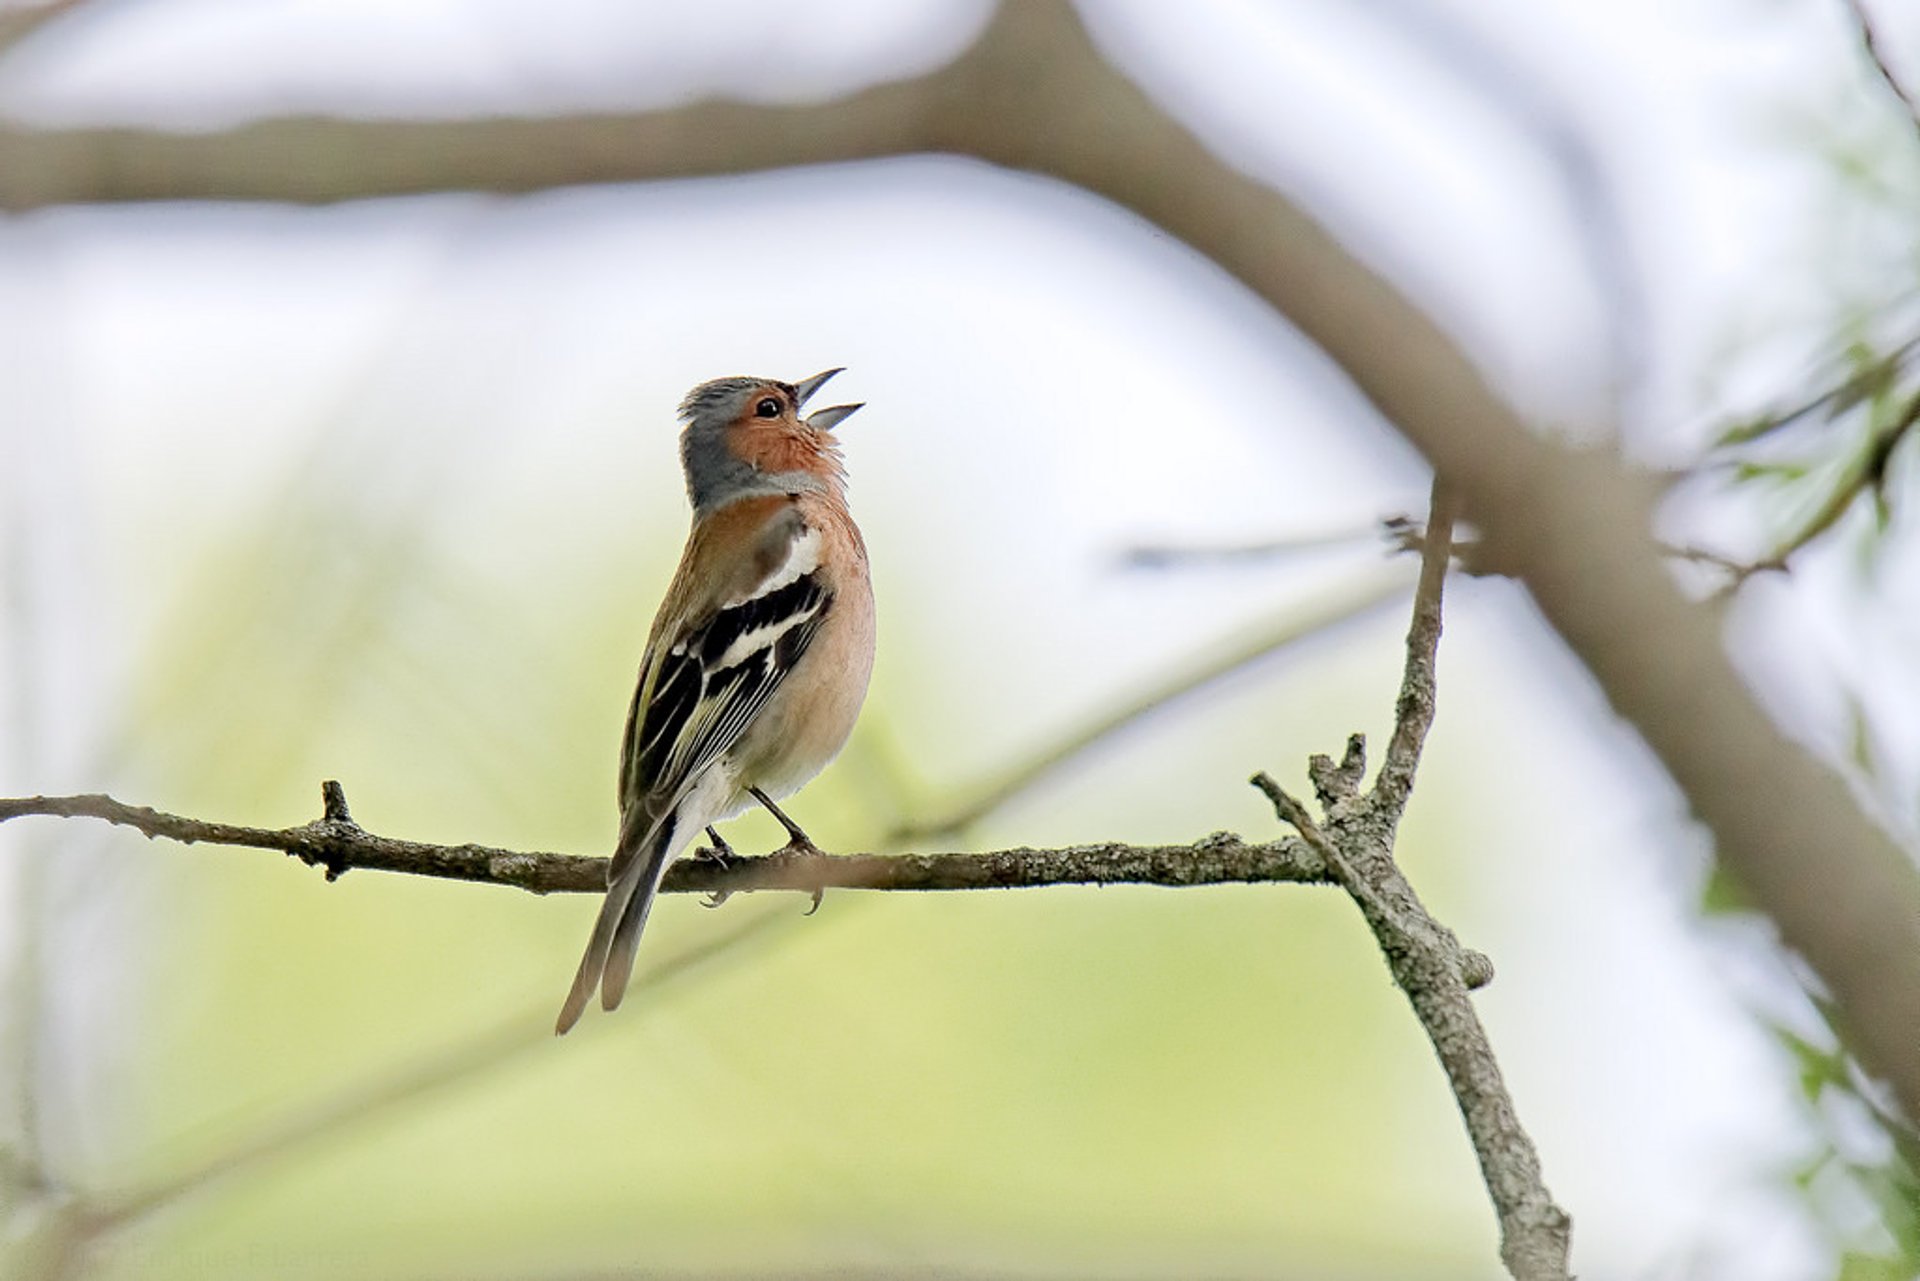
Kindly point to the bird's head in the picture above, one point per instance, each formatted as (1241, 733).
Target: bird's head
(746, 436)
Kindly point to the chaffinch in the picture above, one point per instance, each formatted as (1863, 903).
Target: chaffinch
(758, 660)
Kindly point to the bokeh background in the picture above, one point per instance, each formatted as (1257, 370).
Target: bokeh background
(386, 492)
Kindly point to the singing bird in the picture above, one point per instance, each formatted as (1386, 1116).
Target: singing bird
(758, 660)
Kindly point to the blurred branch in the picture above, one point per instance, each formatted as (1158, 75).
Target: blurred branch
(1289, 629)
(1428, 962)
(1734, 571)
(338, 844)
(1870, 41)
(19, 21)
(78, 1225)
(1176, 555)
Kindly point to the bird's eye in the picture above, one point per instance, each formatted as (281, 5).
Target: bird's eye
(767, 408)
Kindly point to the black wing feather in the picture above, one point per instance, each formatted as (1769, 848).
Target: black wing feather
(698, 707)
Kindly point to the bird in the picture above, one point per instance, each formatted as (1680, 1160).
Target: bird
(758, 660)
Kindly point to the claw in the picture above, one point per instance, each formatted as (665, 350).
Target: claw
(819, 893)
(719, 853)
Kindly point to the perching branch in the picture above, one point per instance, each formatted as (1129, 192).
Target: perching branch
(1430, 965)
(337, 844)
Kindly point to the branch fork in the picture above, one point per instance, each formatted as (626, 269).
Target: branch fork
(1354, 842)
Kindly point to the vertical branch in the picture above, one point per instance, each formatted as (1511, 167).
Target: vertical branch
(1414, 711)
(1427, 961)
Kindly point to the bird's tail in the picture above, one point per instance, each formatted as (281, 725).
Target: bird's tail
(608, 962)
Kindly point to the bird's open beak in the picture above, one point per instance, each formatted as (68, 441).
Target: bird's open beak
(828, 419)
(804, 389)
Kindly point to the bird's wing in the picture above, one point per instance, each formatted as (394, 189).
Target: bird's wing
(708, 675)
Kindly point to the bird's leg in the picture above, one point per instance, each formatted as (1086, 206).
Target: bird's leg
(717, 851)
(798, 842)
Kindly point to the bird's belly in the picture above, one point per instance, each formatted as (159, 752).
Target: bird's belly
(807, 723)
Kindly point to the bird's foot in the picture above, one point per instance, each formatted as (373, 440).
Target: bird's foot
(803, 847)
(719, 853)
(717, 850)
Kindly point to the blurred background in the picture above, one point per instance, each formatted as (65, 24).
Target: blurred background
(386, 491)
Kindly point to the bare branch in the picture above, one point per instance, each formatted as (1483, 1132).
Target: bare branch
(1345, 875)
(1428, 962)
(1737, 571)
(1436, 972)
(1413, 713)
(337, 844)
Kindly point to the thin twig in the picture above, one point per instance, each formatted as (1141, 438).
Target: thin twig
(1180, 555)
(1736, 569)
(1413, 711)
(1343, 872)
(338, 844)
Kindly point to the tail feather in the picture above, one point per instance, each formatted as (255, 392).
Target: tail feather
(616, 931)
(618, 968)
